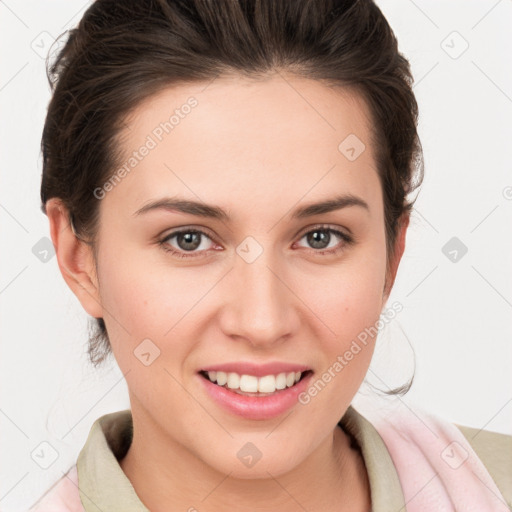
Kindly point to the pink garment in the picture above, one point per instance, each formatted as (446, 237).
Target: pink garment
(63, 497)
(437, 468)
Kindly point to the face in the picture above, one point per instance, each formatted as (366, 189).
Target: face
(188, 289)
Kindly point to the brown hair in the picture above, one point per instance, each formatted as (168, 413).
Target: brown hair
(123, 52)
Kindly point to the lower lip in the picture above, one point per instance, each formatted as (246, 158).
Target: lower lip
(254, 407)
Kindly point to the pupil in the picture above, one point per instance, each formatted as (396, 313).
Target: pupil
(319, 237)
(192, 240)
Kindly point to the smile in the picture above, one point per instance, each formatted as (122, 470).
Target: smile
(253, 385)
(255, 397)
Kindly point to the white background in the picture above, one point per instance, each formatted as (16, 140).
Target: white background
(456, 317)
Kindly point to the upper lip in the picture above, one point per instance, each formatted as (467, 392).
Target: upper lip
(258, 370)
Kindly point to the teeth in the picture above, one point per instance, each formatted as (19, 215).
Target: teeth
(233, 381)
(222, 378)
(249, 383)
(253, 384)
(281, 381)
(267, 384)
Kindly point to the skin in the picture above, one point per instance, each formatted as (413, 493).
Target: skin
(258, 149)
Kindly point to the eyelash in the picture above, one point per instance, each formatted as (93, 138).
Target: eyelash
(347, 239)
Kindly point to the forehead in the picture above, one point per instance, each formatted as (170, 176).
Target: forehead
(238, 140)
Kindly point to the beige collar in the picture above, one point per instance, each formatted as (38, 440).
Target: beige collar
(104, 486)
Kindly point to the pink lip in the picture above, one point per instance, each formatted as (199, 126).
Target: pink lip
(258, 370)
(256, 407)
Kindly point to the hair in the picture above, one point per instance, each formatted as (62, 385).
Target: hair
(121, 53)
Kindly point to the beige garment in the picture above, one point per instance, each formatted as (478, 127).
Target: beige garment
(104, 486)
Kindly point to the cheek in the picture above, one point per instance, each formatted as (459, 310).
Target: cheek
(143, 301)
(350, 298)
(348, 303)
(349, 307)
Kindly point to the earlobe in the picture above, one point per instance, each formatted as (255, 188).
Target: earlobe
(75, 258)
(399, 251)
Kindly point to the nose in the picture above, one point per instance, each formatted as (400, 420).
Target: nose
(261, 307)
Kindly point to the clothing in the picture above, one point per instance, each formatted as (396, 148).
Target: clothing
(415, 462)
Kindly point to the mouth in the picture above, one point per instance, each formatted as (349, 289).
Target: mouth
(252, 385)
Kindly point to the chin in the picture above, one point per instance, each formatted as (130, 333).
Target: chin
(249, 463)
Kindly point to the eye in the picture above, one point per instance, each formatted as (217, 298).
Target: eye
(187, 240)
(321, 239)
(194, 242)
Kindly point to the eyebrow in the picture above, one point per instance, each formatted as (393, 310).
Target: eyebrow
(215, 212)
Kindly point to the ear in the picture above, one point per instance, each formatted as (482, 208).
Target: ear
(399, 250)
(75, 258)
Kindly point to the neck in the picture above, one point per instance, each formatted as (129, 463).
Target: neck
(333, 477)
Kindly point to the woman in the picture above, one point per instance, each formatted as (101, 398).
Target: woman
(227, 186)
